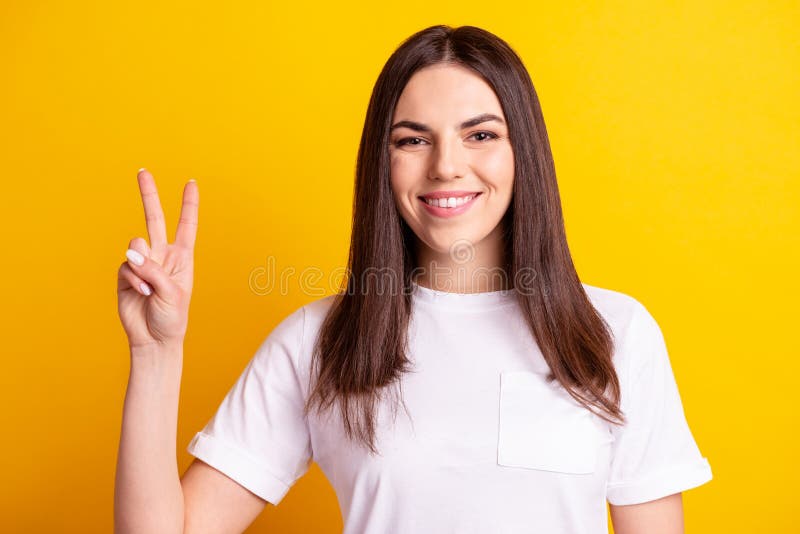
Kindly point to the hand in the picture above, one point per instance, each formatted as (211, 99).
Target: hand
(160, 316)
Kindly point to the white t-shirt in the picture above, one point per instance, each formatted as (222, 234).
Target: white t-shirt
(490, 446)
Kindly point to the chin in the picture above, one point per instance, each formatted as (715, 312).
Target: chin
(444, 242)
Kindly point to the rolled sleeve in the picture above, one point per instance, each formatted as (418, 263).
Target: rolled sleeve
(239, 465)
(259, 435)
(654, 454)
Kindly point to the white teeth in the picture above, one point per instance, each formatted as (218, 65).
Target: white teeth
(451, 202)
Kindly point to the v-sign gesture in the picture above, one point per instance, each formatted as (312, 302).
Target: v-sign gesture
(155, 283)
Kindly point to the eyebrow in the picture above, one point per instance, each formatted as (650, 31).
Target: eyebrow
(420, 127)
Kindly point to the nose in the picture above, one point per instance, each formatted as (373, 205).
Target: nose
(448, 160)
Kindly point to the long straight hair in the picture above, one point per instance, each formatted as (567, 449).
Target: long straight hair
(362, 344)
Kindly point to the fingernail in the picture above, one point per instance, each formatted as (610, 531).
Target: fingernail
(134, 256)
(192, 180)
(145, 288)
(142, 169)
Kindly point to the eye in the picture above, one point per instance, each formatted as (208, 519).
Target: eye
(418, 141)
(489, 135)
(409, 141)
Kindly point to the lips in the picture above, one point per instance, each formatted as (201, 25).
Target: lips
(446, 212)
(448, 194)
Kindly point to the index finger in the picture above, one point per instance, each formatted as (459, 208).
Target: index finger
(153, 214)
(187, 224)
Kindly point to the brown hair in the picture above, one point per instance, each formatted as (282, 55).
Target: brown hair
(361, 347)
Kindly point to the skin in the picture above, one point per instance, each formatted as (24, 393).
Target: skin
(661, 516)
(448, 157)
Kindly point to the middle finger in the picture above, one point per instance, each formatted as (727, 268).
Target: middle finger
(153, 214)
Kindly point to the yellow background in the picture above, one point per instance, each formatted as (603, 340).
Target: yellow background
(674, 128)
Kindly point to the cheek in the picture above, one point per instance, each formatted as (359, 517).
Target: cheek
(498, 162)
(401, 179)
(498, 166)
(404, 172)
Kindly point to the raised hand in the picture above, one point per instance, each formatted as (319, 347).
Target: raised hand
(153, 297)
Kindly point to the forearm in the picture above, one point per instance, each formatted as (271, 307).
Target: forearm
(148, 495)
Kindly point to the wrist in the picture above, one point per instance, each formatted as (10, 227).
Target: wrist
(157, 349)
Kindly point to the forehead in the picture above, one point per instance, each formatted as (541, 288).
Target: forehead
(446, 93)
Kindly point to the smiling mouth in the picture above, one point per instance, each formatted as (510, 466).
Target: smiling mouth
(449, 202)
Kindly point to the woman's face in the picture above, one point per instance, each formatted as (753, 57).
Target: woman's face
(450, 140)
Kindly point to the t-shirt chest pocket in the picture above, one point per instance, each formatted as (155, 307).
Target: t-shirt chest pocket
(542, 427)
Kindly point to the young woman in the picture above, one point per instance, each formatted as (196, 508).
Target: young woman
(465, 380)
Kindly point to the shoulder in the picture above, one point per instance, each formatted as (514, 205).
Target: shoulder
(625, 311)
(631, 323)
(317, 310)
(303, 319)
(301, 327)
(616, 307)
(286, 349)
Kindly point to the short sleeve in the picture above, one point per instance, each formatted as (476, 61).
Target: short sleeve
(654, 454)
(259, 436)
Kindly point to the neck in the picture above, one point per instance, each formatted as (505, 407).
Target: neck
(468, 268)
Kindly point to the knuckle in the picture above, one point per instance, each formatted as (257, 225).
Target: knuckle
(129, 274)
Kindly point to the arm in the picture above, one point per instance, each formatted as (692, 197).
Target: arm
(149, 496)
(661, 516)
(154, 288)
(654, 456)
(216, 503)
(147, 493)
